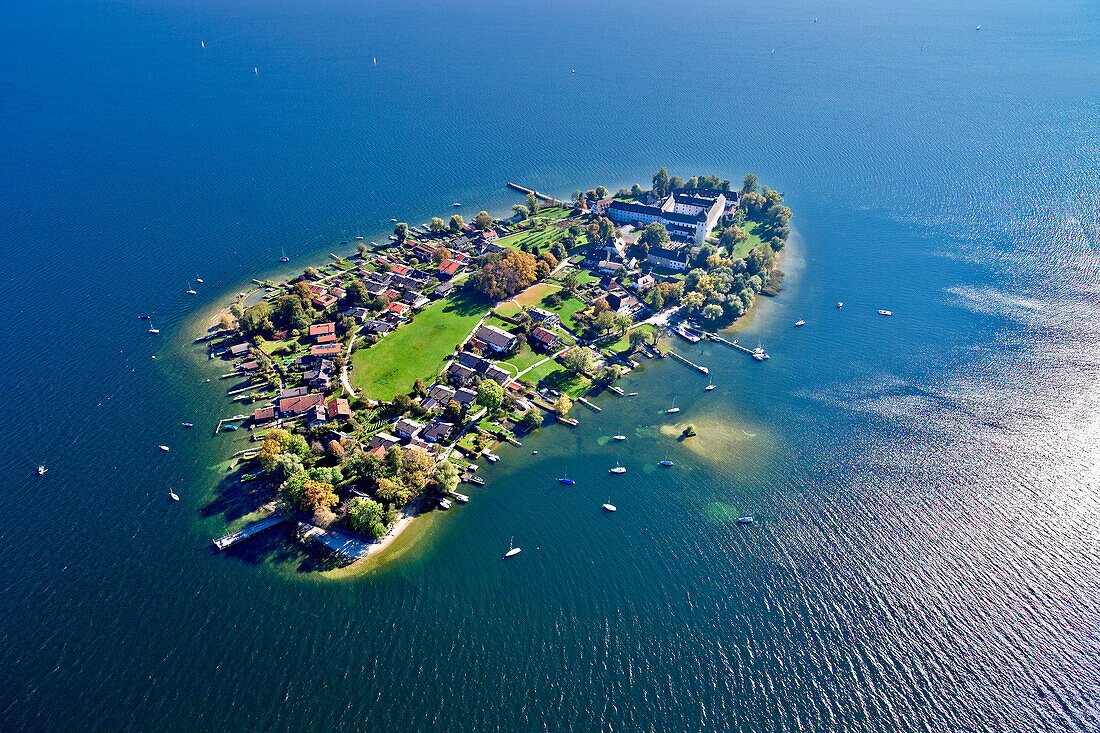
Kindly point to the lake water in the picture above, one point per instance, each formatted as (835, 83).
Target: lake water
(927, 536)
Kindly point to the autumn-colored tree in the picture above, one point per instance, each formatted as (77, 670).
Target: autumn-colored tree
(600, 306)
(506, 276)
(563, 405)
(483, 220)
(316, 496)
(440, 253)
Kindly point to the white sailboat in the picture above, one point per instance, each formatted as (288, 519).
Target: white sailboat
(190, 290)
(172, 496)
(152, 330)
(513, 551)
(618, 468)
(674, 409)
(42, 470)
(609, 506)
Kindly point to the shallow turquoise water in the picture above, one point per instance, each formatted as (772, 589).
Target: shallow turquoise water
(927, 537)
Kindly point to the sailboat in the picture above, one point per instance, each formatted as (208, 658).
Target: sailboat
(709, 387)
(164, 448)
(284, 258)
(172, 496)
(198, 279)
(618, 437)
(153, 330)
(744, 520)
(674, 409)
(800, 322)
(42, 470)
(618, 468)
(566, 480)
(190, 290)
(609, 506)
(665, 462)
(511, 552)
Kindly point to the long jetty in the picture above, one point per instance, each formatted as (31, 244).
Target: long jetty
(251, 530)
(588, 404)
(693, 365)
(543, 196)
(727, 342)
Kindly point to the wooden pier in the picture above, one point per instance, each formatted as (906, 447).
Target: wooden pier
(616, 390)
(542, 196)
(727, 342)
(693, 365)
(261, 525)
(235, 418)
(588, 404)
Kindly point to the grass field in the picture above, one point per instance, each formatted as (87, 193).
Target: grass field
(524, 358)
(534, 294)
(574, 385)
(543, 238)
(542, 371)
(417, 349)
(623, 342)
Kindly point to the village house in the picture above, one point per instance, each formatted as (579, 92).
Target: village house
(379, 327)
(437, 431)
(322, 350)
(496, 339)
(414, 299)
(263, 414)
(297, 405)
(322, 329)
(543, 317)
(324, 301)
(543, 337)
(328, 338)
(406, 428)
(397, 309)
(356, 314)
(316, 415)
(238, 350)
(443, 289)
(465, 396)
(447, 269)
(339, 409)
(438, 397)
(293, 392)
(383, 441)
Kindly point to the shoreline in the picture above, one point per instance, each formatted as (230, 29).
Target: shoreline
(205, 321)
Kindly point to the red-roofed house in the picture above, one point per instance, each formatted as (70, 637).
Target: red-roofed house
(324, 301)
(320, 329)
(544, 336)
(327, 338)
(323, 350)
(338, 292)
(296, 405)
(447, 268)
(392, 294)
(260, 414)
(401, 270)
(315, 289)
(398, 308)
(339, 409)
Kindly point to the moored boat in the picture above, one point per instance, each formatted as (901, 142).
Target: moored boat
(609, 507)
(172, 496)
(461, 498)
(164, 448)
(513, 551)
(665, 462)
(744, 520)
(444, 504)
(885, 313)
(42, 470)
(618, 437)
(800, 322)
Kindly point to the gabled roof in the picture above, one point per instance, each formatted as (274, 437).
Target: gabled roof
(319, 329)
(293, 405)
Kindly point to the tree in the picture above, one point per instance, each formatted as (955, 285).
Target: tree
(636, 190)
(569, 282)
(655, 300)
(289, 465)
(257, 319)
(402, 232)
(483, 221)
(457, 223)
(531, 420)
(712, 312)
(605, 321)
(440, 253)
(675, 182)
(542, 270)
(563, 404)
(532, 203)
(391, 463)
(577, 360)
(356, 293)
(452, 412)
(601, 192)
(660, 182)
(577, 196)
(623, 321)
(437, 226)
(605, 228)
(367, 516)
(732, 236)
(226, 322)
(316, 496)
(335, 451)
(446, 476)
(693, 182)
(504, 276)
(418, 387)
(637, 338)
(654, 235)
(361, 248)
(311, 273)
(489, 394)
(521, 211)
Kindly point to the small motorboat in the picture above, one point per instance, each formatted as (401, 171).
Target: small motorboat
(456, 204)
(172, 496)
(534, 452)
(631, 394)
(665, 462)
(618, 437)
(143, 317)
(839, 304)
(709, 387)
(609, 507)
(461, 498)
(284, 258)
(42, 470)
(230, 427)
(444, 504)
(164, 448)
(885, 313)
(188, 424)
(744, 520)
(394, 220)
(492, 457)
(800, 322)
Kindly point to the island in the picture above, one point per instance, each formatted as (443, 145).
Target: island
(376, 382)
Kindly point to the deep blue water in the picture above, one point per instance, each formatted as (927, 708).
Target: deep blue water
(928, 534)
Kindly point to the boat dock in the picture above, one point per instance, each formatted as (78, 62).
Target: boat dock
(228, 420)
(567, 420)
(693, 365)
(616, 390)
(727, 342)
(542, 196)
(588, 404)
(251, 530)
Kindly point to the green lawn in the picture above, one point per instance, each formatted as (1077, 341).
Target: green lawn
(557, 212)
(623, 342)
(742, 249)
(417, 349)
(529, 237)
(574, 385)
(524, 358)
(567, 310)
